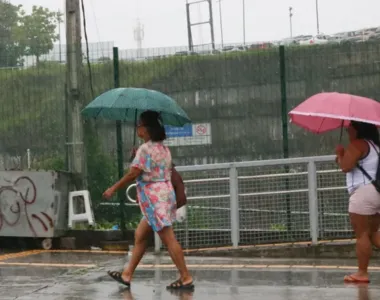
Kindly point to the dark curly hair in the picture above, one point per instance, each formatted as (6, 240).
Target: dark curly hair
(152, 121)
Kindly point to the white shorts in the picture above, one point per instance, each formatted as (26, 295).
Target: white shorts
(365, 201)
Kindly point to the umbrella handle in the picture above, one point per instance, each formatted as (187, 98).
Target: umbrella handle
(133, 152)
(135, 129)
(341, 132)
(341, 135)
(134, 137)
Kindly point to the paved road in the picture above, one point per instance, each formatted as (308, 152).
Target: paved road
(82, 275)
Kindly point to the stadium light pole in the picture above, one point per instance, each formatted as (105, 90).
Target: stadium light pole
(244, 22)
(290, 20)
(317, 13)
(221, 22)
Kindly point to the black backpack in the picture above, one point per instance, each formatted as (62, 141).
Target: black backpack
(375, 181)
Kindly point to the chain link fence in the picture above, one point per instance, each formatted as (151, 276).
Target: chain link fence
(235, 102)
(272, 206)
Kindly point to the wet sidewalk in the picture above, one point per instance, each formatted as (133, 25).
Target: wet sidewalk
(82, 275)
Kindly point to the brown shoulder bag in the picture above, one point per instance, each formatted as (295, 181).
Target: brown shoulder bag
(179, 188)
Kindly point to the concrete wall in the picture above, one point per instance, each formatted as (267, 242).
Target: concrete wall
(33, 204)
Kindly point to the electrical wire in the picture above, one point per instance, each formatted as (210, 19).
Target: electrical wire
(87, 50)
(96, 26)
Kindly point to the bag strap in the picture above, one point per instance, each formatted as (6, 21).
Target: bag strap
(365, 173)
(373, 146)
(362, 169)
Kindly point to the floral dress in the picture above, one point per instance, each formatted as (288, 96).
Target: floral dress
(155, 192)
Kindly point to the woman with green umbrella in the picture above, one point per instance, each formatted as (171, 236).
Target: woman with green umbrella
(151, 168)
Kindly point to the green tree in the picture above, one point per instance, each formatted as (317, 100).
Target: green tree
(39, 31)
(11, 50)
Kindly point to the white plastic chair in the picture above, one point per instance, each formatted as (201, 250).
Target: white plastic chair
(87, 215)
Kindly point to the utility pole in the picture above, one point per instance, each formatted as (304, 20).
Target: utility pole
(221, 22)
(74, 96)
(211, 22)
(189, 31)
(317, 12)
(244, 22)
(290, 20)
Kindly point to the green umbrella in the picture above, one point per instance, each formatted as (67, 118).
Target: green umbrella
(126, 104)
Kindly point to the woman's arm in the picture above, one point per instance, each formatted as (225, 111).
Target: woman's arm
(130, 176)
(138, 166)
(348, 159)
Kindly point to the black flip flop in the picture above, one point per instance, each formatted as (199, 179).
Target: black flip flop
(179, 286)
(117, 276)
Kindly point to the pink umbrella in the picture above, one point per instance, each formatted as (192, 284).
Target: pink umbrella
(328, 111)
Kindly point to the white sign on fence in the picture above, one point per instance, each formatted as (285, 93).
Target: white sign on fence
(195, 134)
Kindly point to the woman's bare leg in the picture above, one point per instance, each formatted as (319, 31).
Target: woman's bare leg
(175, 250)
(375, 234)
(141, 235)
(361, 226)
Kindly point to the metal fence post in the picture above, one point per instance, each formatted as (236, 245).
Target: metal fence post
(313, 201)
(157, 243)
(158, 277)
(119, 144)
(234, 206)
(285, 137)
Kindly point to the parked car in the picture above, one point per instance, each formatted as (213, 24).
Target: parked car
(263, 45)
(335, 39)
(185, 53)
(352, 39)
(301, 38)
(209, 52)
(375, 37)
(289, 42)
(234, 48)
(315, 40)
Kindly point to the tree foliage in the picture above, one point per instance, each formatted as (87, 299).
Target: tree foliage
(39, 31)
(24, 34)
(10, 50)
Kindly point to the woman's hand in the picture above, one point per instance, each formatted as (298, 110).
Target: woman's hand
(109, 193)
(339, 150)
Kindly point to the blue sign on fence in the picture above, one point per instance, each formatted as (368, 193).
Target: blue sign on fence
(184, 131)
(189, 135)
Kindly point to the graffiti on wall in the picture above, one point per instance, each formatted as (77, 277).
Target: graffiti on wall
(17, 198)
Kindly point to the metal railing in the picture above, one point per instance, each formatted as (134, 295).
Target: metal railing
(265, 201)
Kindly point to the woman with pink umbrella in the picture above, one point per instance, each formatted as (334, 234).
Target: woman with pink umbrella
(359, 161)
(364, 200)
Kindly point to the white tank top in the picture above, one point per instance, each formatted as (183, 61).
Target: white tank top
(355, 178)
